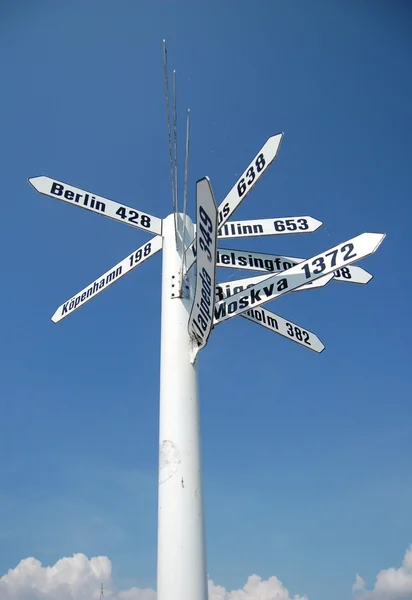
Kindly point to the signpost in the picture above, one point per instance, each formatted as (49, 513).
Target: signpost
(192, 304)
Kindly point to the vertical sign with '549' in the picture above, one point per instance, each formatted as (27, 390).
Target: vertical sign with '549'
(201, 316)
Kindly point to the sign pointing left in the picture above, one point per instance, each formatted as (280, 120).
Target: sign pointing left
(114, 274)
(98, 204)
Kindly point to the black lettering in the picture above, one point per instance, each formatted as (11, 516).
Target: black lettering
(257, 229)
(242, 261)
(205, 275)
(254, 295)
(219, 293)
(111, 276)
(269, 266)
(205, 296)
(224, 212)
(200, 330)
(282, 284)
(232, 307)
(220, 311)
(244, 302)
(204, 309)
(57, 189)
(225, 259)
(202, 322)
(69, 195)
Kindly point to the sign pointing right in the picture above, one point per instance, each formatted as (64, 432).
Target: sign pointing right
(282, 283)
(253, 172)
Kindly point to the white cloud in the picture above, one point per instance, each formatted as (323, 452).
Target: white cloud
(79, 578)
(254, 589)
(390, 584)
(359, 584)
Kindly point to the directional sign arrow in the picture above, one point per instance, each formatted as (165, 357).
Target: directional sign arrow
(238, 229)
(260, 261)
(114, 274)
(230, 288)
(287, 329)
(98, 204)
(270, 320)
(201, 315)
(244, 184)
(249, 178)
(314, 268)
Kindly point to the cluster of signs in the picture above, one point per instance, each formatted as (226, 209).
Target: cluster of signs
(214, 303)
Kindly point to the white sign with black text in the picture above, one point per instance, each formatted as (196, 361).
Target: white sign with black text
(256, 227)
(98, 204)
(242, 187)
(201, 316)
(249, 178)
(268, 319)
(226, 289)
(314, 268)
(285, 328)
(104, 281)
(274, 263)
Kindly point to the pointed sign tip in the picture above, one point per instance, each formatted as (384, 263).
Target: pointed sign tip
(378, 237)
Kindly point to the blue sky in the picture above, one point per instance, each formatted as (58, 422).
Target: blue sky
(306, 457)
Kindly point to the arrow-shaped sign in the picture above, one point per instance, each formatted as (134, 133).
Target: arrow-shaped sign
(270, 320)
(114, 274)
(282, 283)
(277, 226)
(259, 261)
(227, 289)
(98, 204)
(249, 178)
(201, 316)
(242, 187)
(287, 329)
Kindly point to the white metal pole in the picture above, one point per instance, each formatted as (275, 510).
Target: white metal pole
(181, 552)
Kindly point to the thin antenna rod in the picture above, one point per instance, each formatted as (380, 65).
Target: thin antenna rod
(185, 190)
(169, 132)
(175, 149)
